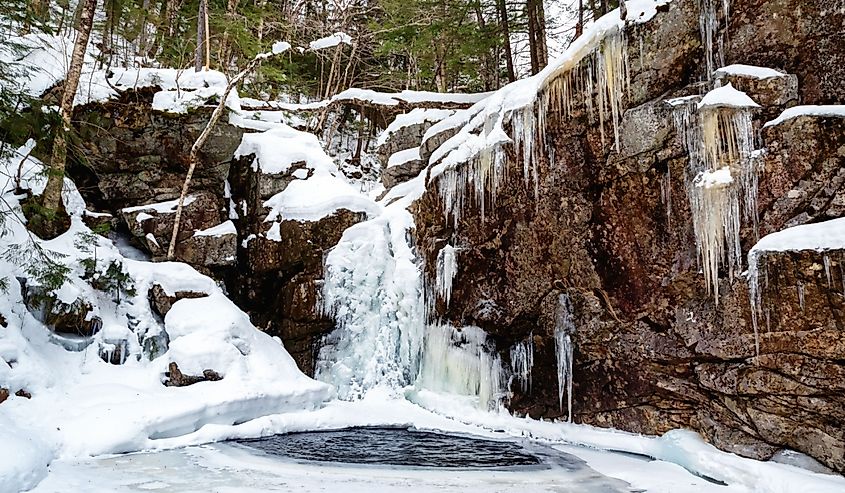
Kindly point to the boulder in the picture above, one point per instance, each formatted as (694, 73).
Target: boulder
(161, 302)
(175, 378)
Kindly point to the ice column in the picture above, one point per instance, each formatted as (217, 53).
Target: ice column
(522, 362)
(447, 267)
(564, 327)
(463, 362)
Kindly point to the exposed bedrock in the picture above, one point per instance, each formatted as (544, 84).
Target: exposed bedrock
(613, 230)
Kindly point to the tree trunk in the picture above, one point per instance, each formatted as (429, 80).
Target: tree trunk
(579, 28)
(537, 35)
(202, 23)
(224, 54)
(623, 10)
(52, 196)
(506, 38)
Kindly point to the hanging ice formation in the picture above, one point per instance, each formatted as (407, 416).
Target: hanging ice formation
(447, 267)
(474, 162)
(721, 177)
(522, 362)
(373, 291)
(463, 362)
(709, 24)
(564, 328)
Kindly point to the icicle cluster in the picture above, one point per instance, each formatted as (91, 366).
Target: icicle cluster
(478, 164)
(709, 25)
(721, 179)
(564, 327)
(463, 362)
(522, 362)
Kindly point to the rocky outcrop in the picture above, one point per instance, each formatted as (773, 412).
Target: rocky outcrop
(132, 160)
(280, 263)
(398, 148)
(612, 230)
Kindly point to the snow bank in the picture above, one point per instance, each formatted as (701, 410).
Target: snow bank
(827, 235)
(836, 111)
(23, 458)
(280, 147)
(222, 229)
(749, 71)
(726, 97)
(402, 157)
(317, 197)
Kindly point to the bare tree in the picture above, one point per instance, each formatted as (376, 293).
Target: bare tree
(206, 133)
(51, 199)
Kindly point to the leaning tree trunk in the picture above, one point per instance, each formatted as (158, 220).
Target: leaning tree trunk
(194, 156)
(51, 199)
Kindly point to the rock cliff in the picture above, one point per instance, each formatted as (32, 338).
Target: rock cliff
(613, 231)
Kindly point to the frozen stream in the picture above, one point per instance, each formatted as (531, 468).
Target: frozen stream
(296, 462)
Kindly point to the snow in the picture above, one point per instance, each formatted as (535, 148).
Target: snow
(280, 47)
(278, 148)
(835, 111)
(319, 196)
(331, 41)
(416, 116)
(222, 229)
(726, 97)
(750, 71)
(826, 235)
(715, 179)
(376, 98)
(166, 207)
(402, 157)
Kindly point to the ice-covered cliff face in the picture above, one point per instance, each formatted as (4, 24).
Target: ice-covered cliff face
(647, 235)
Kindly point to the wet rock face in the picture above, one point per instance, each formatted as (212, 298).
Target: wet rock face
(280, 264)
(613, 231)
(798, 37)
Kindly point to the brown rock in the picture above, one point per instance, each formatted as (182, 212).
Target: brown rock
(175, 377)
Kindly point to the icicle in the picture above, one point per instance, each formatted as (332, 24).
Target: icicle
(462, 362)
(827, 270)
(708, 25)
(721, 177)
(447, 267)
(715, 212)
(666, 195)
(800, 288)
(602, 74)
(522, 362)
(564, 327)
(755, 296)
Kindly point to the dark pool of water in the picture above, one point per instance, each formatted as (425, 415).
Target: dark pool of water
(396, 447)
